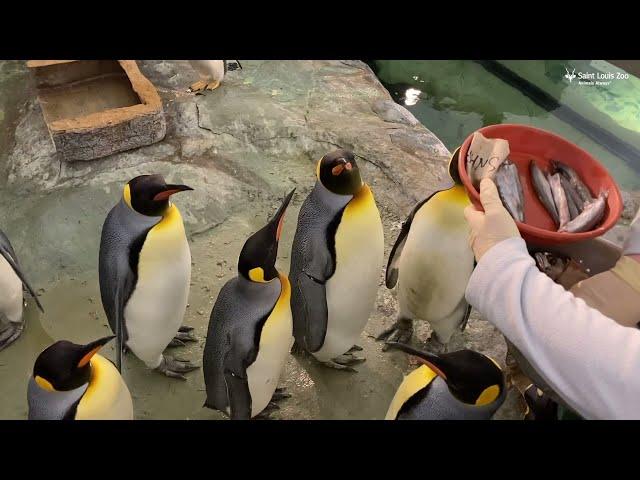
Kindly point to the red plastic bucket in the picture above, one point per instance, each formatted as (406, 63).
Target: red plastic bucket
(528, 143)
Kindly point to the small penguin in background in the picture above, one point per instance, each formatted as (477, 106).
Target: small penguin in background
(145, 273)
(432, 262)
(73, 382)
(12, 283)
(462, 385)
(212, 73)
(250, 330)
(336, 259)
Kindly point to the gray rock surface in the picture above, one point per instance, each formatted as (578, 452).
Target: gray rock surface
(241, 147)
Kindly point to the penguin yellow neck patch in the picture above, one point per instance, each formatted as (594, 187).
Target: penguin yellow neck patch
(257, 275)
(126, 194)
(44, 384)
(488, 395)
(412, 384)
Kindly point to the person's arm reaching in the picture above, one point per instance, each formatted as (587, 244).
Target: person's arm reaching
(589, 360)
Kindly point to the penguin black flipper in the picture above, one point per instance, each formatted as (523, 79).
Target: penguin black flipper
(242, 353)
(123, 235)
(465, 319)
(6, 250)
(313, 262)
(391, 276)
(467, 312)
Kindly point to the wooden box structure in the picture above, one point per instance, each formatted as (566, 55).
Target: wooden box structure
(94, 108)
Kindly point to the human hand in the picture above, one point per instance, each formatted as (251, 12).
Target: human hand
(491, 226)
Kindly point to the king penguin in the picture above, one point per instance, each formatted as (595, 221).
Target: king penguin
(73, 382)
(145, 273)
(212, 73)
(12, 283)
(432, 262)
(336, 260)
(250, 329)
(462, 385)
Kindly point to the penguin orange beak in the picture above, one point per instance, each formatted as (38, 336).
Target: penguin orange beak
(432, 361)
(279, 216)
(338, 169)
(92, 348)
(170, 190)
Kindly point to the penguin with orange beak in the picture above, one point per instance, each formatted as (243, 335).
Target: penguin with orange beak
(73, 382)
(462, 385)
(145, 274)
(251, 329)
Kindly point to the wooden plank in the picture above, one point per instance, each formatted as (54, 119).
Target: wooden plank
(46, 63)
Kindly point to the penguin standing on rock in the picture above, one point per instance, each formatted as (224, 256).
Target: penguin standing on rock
(462, 385)
(336, 259)
(73, 382)
(12, 283)
(212, 73)
(145, 273)
(250, 330)
(432, 262)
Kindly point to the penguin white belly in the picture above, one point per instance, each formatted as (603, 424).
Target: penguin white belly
(276, 340)
(210, 69)
(10, 293)
(155, 311)
(351, 291)
(435, 266)
(107, 397)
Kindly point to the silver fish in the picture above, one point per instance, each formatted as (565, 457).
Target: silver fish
(590, 216)
(573, 197)
(543, 190)
(551, 264)
(510, 190)
(573, 208)
(560, 199)
(571, 175)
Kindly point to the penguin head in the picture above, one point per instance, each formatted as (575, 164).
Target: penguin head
(65, 365)
(149, 194)
(257, 261)
(339, 173)
(472, 377)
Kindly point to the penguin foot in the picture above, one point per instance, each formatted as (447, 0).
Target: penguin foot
(185, 328)
(400, 332)
(339, 366)
(280, 394)
(355, 348)
(348, 359)
(296, 349)
(10, 334)
(176, 343)
(213, 85)
(185, 337)
(268, 410)
(174, 368)
(198, 86)
(434, 344)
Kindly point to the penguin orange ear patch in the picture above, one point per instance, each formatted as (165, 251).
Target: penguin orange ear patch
(84, 360)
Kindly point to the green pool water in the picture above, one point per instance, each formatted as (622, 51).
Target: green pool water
(455, 97)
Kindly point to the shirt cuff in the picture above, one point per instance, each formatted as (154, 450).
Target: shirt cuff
(493, 263)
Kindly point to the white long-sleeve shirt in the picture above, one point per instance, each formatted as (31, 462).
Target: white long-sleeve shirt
(588, 359)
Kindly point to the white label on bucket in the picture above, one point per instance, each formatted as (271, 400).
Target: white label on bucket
(484, 157)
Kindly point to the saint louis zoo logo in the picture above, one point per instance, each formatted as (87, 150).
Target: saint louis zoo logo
(595, 78)
(570, 76)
